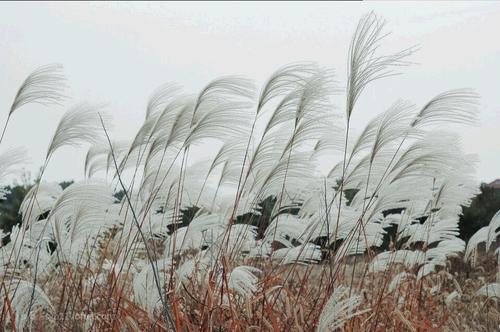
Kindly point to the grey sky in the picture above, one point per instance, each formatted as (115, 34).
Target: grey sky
(120, 52)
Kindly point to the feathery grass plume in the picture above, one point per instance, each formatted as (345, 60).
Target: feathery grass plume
(365, 173)
(165, 120)
(287, 81)
(365, 65)
(46, 195)
(436, 160)
(332, 142)
(161, 136)
(307, 109)
(266, 154)
(287, 229)
(454, 106)
(181, 126)
(44, 86)
(295, 168)
(144, 288)
(303, 254)
(254, 235)
(399, 279)
(142, 136)
(340, 223)
(338, 310)
(78, 125)
(161, 97)
(157, 130)
(10, 159)
(366, 140)
(368, 235)
(230, 89)
(231, 152)
(392, 126)
(79, 217)
(284, 80)
(427, 270)
(434, 230)
(493, 231)
(308, 97)
(213, 124)
(33, 255)
(241, 239)
(151, 258)
(91, 193)
(156, 226)
(242, 280)
(154, 171)
(481, 236)
(440, 149)
(95, 156)
(20, 303)
(99, 158)
(445, 249)
(408, 258)
(195, 236)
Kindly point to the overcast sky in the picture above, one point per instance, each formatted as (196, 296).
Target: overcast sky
(119, 53)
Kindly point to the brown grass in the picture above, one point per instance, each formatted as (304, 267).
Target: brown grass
(295, 306)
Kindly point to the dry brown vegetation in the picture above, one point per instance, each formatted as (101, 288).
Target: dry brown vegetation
(272, 242)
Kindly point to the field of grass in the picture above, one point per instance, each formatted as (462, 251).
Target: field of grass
(295, 221)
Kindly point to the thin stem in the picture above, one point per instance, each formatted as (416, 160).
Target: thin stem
(165, 310)
(5, 127)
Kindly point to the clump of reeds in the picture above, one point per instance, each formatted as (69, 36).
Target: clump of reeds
(259, 236)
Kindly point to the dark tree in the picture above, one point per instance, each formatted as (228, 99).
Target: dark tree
(9, 208)
(480, 212)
